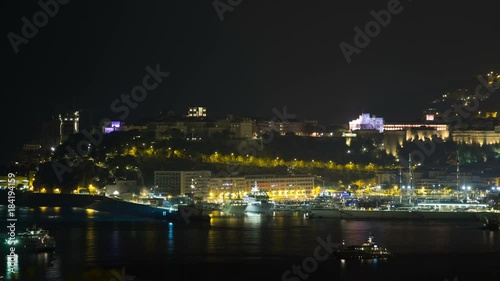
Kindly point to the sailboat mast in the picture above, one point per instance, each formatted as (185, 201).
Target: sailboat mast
(458, 174)
(400, 184)
(410, 187)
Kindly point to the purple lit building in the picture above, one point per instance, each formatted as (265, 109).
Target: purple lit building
(111, 127)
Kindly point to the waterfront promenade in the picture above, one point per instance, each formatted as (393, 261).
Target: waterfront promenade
(119, 207)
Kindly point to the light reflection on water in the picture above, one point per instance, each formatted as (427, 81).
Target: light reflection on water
(12, 264)
(90, 245)
(171, 241)
(92, 238)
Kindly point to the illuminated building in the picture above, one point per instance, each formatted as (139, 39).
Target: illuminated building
(22, 182)
(490, 114)
(395, 134)
(283, 187)
(228, 187)
(68, 125)
(111, 126)
(277, 187)
(176, 183)
(197, 112)
(494, 79)
(419, 125)
(365, 122)
(476, 137)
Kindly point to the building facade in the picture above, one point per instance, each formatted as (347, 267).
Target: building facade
(31, 153)
(197, 112)
(395, 134)
(278, 187)
(476, 137)
(227, 188)
(69, 124)
(174, 183)
(367, 122)
(50, 133)
(111, 126)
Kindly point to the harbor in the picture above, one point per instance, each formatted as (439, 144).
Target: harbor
(323, 207)
(273, 243)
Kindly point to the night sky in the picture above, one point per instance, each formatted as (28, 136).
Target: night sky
(264, 54)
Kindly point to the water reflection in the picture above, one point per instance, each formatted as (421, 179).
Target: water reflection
(92, 239)
(90, 242)
(170, 241)
(115, 243)
(31, 265)
(44, 258)
(90, 213)
(342, 264)
(54, 269)
(12, 268)
(211, 245)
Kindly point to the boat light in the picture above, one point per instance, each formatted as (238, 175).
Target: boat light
(10, 242)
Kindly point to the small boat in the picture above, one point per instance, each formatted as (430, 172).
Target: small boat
(490, 224)
(367, 250)
(33, 240)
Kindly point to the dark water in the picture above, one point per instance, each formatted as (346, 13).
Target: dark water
(96, 246)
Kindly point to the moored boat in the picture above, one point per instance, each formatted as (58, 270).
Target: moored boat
(32, 240)
(490, 224)
(234, 206)
(258, 201)
(367, 250)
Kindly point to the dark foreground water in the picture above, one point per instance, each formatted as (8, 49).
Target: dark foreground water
(284, 246)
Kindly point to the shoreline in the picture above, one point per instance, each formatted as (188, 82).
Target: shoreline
(113, 206)
(402, 215)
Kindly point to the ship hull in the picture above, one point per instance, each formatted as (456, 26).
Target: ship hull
(260, 207)
(240, 209)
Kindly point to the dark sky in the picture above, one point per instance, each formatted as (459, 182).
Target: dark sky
(264, 54)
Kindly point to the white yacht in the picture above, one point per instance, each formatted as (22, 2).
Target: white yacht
(234, 206)
(258, 201)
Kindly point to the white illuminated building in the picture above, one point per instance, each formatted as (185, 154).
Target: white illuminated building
(367, 122)
(197, 112)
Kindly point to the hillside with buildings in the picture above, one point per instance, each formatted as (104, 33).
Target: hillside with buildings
(195, 153)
